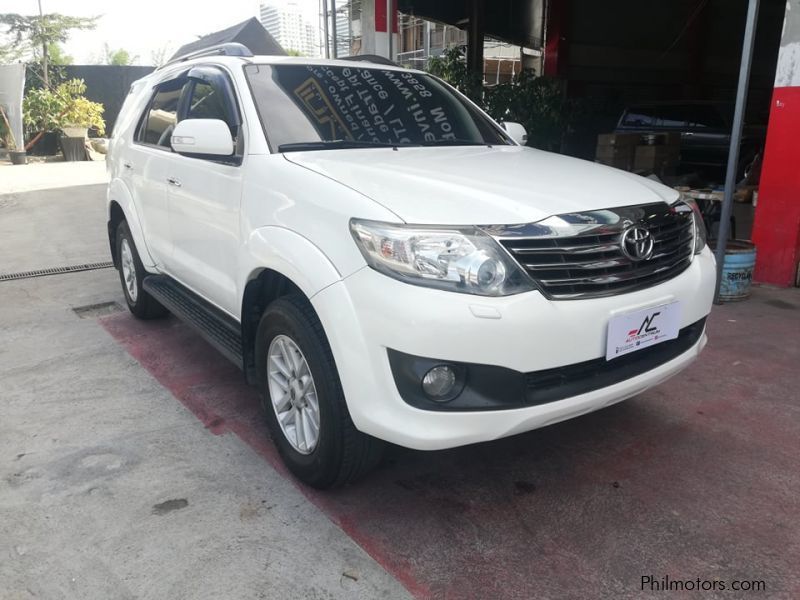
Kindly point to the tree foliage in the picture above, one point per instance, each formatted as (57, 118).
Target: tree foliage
(28, 35)
(117, 56)
(452, 67)
(538, 103)
(56, 54)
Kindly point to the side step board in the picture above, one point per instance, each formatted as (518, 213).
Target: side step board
(218, 328)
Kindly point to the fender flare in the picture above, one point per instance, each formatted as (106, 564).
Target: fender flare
(290, 254)
(270, 251)
(118, 192)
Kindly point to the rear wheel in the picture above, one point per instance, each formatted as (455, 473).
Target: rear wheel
(131, 275)
(303, 400)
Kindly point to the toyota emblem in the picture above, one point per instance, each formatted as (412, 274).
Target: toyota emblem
(637, 243)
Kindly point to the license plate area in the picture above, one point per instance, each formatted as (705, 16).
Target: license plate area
(640, 329)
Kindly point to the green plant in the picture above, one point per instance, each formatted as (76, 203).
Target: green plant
(50, 110)
(452, 67)
(79, 111)
(538, 103)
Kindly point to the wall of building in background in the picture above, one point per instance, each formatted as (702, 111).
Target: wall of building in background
(421, 39)
(290, 24)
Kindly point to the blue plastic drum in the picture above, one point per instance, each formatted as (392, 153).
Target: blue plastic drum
(737, 271)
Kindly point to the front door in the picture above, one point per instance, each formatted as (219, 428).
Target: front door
(204, 198)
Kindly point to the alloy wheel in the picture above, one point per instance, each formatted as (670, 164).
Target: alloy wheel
(293, 394)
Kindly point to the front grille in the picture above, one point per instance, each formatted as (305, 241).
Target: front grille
(580, 255)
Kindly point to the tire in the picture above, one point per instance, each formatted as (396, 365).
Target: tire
(340, 454)
(131, 275)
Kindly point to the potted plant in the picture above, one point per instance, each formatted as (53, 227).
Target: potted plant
(63, 109)
(79, 113)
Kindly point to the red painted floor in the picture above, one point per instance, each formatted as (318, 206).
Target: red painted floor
(698, 478)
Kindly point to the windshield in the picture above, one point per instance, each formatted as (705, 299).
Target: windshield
(319, 107)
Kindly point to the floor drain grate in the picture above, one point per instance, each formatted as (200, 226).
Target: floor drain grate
(56, 271)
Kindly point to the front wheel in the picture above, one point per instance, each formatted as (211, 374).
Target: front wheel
(303, 399)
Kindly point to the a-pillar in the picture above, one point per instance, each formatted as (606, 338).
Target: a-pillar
(776, 230)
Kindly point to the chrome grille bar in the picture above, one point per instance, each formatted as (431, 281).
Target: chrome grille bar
(580, 255)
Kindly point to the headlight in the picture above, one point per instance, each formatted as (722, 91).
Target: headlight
(460, 259)
(700, 235)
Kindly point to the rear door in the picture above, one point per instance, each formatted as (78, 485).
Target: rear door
(145, 166)
(204, 196)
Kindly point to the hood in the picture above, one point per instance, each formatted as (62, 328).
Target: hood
(480, 185)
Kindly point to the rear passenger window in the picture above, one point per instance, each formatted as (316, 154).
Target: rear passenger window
(161, 115)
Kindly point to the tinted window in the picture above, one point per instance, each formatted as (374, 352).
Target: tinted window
(322, 103)
(161, 115)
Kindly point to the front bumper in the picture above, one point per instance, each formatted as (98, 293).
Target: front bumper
(367, 313)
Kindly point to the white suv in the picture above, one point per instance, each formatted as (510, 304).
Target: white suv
(386, 263)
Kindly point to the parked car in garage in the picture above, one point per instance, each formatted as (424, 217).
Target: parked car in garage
(386, 263)
(705, 133)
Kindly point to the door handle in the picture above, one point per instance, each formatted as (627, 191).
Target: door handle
(173, 181)
(128, 166)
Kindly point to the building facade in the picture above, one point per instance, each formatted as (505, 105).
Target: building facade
(291, 25)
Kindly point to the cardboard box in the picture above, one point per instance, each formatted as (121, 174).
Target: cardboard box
(658, 159)
(618, 139)
(620, 157)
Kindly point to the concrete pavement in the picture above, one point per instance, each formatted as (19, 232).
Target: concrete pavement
(109, 488)
(51, 175)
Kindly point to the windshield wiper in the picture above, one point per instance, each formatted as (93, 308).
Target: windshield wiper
(333, 145)
(454, 142)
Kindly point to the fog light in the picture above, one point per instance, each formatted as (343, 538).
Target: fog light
(439, 383)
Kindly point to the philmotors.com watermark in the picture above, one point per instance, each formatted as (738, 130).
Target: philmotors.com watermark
(650, 583)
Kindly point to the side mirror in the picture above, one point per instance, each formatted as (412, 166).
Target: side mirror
(516, 131)
(211, 137)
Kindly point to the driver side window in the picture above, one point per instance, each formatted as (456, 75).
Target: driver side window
(210, 95)
(207, 103)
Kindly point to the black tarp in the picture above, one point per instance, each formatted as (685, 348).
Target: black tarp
(250, 33)
(108, 85)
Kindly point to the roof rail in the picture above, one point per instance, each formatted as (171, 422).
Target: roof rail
(229, 49)
(373, 58)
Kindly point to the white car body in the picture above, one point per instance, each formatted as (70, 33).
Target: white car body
(217, 226)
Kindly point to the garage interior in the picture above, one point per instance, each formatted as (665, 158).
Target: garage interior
(642, 52)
